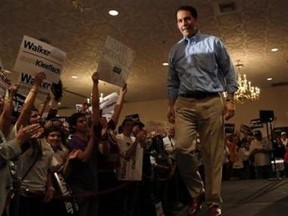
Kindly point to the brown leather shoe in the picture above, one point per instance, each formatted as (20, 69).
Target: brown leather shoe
(214, 211)
(195, 205)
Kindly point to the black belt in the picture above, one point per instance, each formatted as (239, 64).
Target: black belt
(199, 94)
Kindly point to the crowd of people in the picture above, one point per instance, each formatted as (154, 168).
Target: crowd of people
(94, 161)
(100, 168)
(255, 156)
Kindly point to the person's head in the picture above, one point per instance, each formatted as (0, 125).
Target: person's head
(157, 143)
(57, 122)
(187, 20)
(138, 126)
(78, 123)
(85, 106)
(54, 136)
(283, 135)
(127, 126)
(103, 122)
(171, 131)
(35, 116)
(257, 134)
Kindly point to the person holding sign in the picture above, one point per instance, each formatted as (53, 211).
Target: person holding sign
(108, 151)
(200, 69)
(28, 115)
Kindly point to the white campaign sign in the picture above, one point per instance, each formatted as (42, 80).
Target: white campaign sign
(115, 62)
(107, 104)
(27, 80)
(4, 81)
(1, 65)
(36, 56)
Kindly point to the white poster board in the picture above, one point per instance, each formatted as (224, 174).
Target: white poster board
(4, 81)
(25, 83)
(115, 62)
(36, 56)
(107, 104)
(1, 66)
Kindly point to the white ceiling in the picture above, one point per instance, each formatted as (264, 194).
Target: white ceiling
(149, 28)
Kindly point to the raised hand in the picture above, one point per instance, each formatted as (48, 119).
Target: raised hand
(28, 132)
(95, 77)
(123, 90)
(39, 77)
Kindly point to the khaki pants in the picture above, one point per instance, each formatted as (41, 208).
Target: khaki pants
(205, 117)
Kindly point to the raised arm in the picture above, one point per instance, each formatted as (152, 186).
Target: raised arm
(140, 139)
(84, 155)
(29, 101)
(6, 115)
(43, 105)
(95, 99)
(119, 104)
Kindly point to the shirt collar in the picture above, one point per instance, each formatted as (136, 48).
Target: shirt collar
(195, 38)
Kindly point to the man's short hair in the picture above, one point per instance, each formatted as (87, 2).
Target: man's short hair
(189, 8)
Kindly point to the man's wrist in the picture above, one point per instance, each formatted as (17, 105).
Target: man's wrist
(230, 97)
(230, 100)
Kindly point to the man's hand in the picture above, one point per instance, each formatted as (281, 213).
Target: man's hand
(229, 110)
(95, 77)
(123, 90)
(39, 77)
(171, 115)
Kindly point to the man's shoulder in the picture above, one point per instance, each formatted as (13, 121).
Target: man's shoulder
(177, 45)
(204, 37)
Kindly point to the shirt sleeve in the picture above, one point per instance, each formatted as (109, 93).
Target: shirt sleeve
(9, 150)
(173, 82)
(226, 67)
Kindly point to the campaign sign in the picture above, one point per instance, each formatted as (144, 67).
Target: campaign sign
(1, 66)
(25, 83)
(107, 104)
(4, 81)
(18, 102)
(256, 123)
(36, 56)
(115, 62)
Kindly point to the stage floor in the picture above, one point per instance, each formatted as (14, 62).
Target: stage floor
(252, 198)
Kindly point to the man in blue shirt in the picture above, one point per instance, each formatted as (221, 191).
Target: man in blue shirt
(200, 69)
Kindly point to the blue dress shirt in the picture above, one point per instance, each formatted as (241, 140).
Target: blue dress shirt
(200, 63)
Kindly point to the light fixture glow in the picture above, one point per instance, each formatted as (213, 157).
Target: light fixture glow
(269, 78)
(274, 49)
(113, 12)
(245, 89)
(165, 64)
(74, 77)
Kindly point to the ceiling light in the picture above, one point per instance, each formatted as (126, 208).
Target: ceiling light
(165, 64)
(74, 77)
(113, 12)
(274, 49)
(269, 78)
